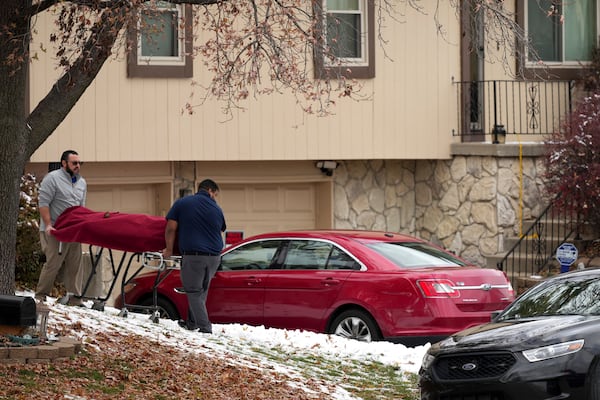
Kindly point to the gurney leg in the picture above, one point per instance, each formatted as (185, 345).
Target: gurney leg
(155, 316)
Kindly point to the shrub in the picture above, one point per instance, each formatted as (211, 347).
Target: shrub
(29, 255)
(573, 161)
(591, 78)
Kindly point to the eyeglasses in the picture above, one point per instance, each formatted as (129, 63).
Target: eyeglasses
(76, 162)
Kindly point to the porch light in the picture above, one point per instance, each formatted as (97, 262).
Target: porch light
(499, 134)
(327, 167)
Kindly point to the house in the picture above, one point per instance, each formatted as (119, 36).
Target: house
(415, 155)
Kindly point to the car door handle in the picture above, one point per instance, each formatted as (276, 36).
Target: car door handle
(330, 282)
(252, 281)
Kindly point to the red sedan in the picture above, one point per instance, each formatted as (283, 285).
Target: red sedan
(358, 284)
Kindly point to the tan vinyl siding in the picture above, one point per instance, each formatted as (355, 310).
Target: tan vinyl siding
(408, 110)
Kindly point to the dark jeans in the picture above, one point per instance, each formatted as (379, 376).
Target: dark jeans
(196, 274)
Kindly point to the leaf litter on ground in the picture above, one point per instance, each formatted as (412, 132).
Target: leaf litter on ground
(134, 358)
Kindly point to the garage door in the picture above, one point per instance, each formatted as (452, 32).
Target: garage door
(259, 208)
(122, 198)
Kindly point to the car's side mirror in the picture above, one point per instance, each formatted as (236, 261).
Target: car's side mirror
(494, 315)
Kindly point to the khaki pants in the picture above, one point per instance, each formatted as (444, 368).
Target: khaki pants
(67, 262)
(95, 287)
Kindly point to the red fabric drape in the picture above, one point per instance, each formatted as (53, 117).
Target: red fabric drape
(113, 230)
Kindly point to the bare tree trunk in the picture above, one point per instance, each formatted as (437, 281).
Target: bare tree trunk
(21, 133)
(13, 133)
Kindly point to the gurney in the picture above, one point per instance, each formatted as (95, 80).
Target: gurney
(140, 238)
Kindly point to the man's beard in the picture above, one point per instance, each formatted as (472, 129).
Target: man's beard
(70, 171)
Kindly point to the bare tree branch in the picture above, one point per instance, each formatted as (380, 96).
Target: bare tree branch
(53, 108)
(249, 47)
(44, 5)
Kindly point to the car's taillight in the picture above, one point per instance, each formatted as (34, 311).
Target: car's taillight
(441, 288)
(510, 288)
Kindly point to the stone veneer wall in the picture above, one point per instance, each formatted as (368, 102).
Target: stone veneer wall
(467, 204)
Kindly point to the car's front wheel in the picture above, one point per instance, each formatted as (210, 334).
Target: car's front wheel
(594, 379)
(356, 324)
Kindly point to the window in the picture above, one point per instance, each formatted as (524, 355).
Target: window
(257, 255)
(347, 40)
(162, 42)
(340, 260)
(344, 25)
(562, 33)
(307, 254)
(575, 296)
(313, 254)
(415, 255)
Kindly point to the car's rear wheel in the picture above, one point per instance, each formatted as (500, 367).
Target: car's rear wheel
(165, 308)
(356, 324)
(594, 379)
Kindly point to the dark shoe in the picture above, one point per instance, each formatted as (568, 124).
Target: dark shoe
(182, 323)
(75, 301)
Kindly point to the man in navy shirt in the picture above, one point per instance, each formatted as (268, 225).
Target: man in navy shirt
(197, 222)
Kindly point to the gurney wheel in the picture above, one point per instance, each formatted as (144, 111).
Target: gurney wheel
(98, 306)
(123, 313)
(155, 317)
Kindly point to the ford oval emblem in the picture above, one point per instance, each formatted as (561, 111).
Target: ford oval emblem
(469, 366)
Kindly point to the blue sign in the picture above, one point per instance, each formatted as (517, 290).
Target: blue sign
(566, 254)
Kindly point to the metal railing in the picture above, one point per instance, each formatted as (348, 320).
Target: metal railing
(534, 251)
(511, 107)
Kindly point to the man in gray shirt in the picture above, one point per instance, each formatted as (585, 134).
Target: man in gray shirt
(59, 190)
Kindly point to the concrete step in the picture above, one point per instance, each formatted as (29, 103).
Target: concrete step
(519, 264)
(529, 244)
(523, 262)
(558, 228)
(548, 227)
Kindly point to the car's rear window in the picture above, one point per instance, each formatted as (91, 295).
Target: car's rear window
(415, 255)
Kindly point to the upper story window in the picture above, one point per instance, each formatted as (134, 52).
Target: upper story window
(562, 33)
(345, 27)
(348, 33)
(162, 42)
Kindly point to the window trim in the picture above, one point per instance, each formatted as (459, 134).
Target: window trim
(137, 67)
(365, 70)
(570, 70)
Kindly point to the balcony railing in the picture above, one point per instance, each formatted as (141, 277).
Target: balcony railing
(515, 107)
